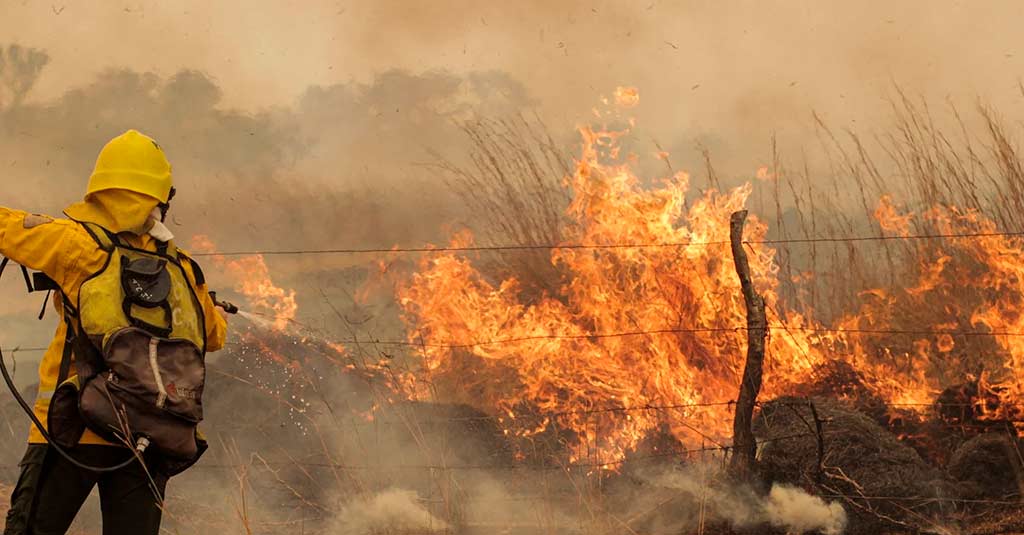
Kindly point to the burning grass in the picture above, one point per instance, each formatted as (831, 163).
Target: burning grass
(580, 368)
(586, 387)
(654, 322)
(930, 299)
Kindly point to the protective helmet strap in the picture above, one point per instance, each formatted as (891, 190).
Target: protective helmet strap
(165, 206)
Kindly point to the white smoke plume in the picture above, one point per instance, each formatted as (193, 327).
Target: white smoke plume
(799, 512)
(702, 496)
(393, 510)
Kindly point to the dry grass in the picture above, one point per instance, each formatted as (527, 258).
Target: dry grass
(513, 191)
(970, 163)
(511, 185)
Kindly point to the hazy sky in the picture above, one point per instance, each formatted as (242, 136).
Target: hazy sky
(729, 66)
(727, 74)
(320, 170)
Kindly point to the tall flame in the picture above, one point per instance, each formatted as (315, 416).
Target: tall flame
(969, 292)
(635, 327)
(645, 335)
(658, 325)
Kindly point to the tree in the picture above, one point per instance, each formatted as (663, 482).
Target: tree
(20, 68)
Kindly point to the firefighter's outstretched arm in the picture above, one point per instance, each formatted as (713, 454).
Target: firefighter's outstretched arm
(42, 244)
(216, 325)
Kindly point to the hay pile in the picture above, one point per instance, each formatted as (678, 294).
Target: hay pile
(987, 468)
(885, 485)
(970, 481)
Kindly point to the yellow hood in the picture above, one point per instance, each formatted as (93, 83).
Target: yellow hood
(117, 210)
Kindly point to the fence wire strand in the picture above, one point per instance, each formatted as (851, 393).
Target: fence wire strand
(599, 246)
(590, 336)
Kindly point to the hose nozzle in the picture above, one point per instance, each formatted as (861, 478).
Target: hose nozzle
(226, 306)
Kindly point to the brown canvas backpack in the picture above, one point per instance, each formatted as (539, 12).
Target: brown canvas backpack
(139, 341)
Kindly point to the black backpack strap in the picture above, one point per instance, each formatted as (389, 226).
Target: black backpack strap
(46, 301)
(24, 273)
(69, 345)
(70, 337)
(197, 271)
(104, 238)
(70, 317)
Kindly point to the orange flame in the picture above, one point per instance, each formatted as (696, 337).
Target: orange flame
(656, 326)
(764, 174)
(252, 279)
(627, 97)
(635, 327)
(646, 336)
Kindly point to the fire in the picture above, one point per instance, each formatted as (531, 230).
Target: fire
(645, 335)
(627, 97)
(966, 289)
(253, 280)
(658, 324)
(634, 328)
(274, 310)
(890, 219)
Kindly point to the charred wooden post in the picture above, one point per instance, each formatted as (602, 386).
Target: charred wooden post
(818, 435)
(744, 446)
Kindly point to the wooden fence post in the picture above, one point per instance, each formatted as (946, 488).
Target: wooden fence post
(744, 446)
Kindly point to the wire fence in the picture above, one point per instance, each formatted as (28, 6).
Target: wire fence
(602, 465)
(646, 332)
(599, 246)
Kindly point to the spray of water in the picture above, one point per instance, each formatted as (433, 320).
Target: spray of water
(257, 320)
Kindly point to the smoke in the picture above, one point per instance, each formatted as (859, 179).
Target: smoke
(700, 494)
(331, 159)
(336, 163)
(793, 509)
(390, 511)
(484, 503)
(338, 167)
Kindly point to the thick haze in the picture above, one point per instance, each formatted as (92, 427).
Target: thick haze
(759, 65)
(306, 125)
(726, 76)
(303, 124)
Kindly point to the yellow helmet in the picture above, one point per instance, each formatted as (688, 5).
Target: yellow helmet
(133, 162)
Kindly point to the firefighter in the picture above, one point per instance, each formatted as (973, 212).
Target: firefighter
(126, 201)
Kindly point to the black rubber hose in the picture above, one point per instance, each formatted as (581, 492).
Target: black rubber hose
(42, 428)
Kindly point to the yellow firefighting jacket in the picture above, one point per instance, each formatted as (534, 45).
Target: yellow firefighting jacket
(64, 251)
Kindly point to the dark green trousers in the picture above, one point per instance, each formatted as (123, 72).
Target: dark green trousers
(51, 490)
